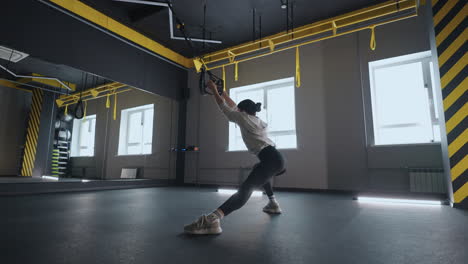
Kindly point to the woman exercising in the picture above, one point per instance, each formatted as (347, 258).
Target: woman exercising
(254, 134)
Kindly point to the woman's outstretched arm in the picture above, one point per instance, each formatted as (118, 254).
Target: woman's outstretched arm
(212, 86)
(228, 100)
(225, 103)
(221, 98)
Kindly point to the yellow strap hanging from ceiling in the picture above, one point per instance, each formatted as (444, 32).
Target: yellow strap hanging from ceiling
(224, 79)
(115, 106)
(108, 101)
(373, 43)
(298, 69)
(66, 110)
(85, 107)
(236, 71)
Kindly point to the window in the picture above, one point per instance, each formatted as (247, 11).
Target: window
(136, 130)
(403, 100)
(277, 98)
(84, 131)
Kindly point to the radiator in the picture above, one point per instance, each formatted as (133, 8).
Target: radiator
(129, 173)
(427, 180)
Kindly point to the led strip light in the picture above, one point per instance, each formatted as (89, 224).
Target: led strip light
(368, 199)
(231, 191)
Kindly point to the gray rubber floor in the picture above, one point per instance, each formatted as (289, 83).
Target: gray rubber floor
(145, 226)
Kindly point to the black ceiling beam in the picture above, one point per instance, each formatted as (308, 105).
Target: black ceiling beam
(140, 13)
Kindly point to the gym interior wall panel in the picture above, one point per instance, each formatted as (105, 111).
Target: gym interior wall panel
(156, 173)
(192, 128)
(405, 156)
(51, 35)
(220, 176)
(181, 132)
(14, 112)
(389, 180)
(346, 145)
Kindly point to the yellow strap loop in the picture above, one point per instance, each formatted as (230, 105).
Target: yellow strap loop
(85, 107)
(108, 101)
(236, 71)
(298, 69)
(115, 106)
(66, 110)
(373, 43)
(224, 79)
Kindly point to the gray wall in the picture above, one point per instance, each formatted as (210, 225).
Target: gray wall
(106, 164)
(331, 111)
(14, 113)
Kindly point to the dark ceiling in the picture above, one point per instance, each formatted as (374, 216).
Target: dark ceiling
(31, 65)
(227, 20)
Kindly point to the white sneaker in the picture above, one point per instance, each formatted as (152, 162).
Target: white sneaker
(204, 226)
(272, 208)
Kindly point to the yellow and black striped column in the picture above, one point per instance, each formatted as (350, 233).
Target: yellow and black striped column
(32, 134)
(450, 21)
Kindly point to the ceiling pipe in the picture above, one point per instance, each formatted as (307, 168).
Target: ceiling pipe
(36, 77)
(171, 24)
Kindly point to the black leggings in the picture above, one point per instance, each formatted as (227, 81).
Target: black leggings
(271, 163)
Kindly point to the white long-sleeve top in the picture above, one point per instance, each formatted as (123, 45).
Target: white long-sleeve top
(253, 129)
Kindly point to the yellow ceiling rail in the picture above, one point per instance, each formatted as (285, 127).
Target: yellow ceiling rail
(93, 93)
(100, 19)
(386, 8)
(331, 25)
(7, 83)
(309, 42)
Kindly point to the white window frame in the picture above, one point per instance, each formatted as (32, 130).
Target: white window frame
(426, 61)
(76, 147)
(265, 86)
(124, 130)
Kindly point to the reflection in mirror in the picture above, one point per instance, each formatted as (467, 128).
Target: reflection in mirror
(98, 130)
(127, 140)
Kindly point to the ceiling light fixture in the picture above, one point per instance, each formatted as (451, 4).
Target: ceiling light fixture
(50, 178)
(283, 4)
(11, 54)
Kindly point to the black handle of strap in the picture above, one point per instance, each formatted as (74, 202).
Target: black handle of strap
(204, 75)
(79, 109)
